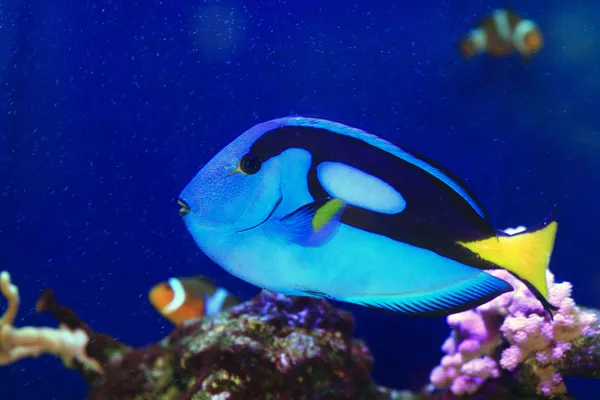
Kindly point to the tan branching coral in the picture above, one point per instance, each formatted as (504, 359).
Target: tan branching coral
(18, 343)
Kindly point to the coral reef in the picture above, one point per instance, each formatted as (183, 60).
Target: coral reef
(510, 347)
(278, 347)
(270, 347)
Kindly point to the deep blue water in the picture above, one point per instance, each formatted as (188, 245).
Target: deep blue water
(108, 109)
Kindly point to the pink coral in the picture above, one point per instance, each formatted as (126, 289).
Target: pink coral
(539, 340)
(518, 319)
(467, 363)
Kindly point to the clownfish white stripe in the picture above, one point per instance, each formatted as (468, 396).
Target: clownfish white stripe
(385, 145)
(502, 24)
(178, 296)
(479, 39)
(214, 303)
(521, 30)
(359, 188)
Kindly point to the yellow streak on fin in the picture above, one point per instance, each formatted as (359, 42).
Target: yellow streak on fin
(326, 212)
(526, 254)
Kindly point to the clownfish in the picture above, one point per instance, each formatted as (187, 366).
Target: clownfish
(183, 299)
(311, 207)
(500, 34)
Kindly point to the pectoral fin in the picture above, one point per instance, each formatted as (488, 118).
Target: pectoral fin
(313, 224)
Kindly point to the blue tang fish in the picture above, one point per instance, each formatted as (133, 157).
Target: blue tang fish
(310, 207)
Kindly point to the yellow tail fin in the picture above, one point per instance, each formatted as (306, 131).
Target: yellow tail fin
(526, 254)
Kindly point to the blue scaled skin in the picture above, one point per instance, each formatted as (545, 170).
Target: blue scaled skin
(311, 207)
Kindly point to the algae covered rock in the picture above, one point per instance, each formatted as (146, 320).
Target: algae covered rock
(271, 347)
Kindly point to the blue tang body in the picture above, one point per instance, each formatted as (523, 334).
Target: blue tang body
(310, 207)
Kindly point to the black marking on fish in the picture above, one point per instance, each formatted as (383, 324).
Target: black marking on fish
(435, 218)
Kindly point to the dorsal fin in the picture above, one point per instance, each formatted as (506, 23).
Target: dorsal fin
(411, 157)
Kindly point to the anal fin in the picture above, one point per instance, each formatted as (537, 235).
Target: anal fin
(459, 296)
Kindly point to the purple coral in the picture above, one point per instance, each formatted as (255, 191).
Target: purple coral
(477, 347)
(294, 312)
(467, 363)
(543, 342)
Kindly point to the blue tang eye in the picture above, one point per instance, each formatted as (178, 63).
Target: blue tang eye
(250, 164)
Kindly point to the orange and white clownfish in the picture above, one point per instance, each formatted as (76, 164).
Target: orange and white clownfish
(183, 299)
(501, 33)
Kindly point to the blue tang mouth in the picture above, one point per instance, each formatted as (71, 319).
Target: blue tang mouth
(185, 209)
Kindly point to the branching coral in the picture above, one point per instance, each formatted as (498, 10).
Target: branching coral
(512, 334)
(18, 343)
